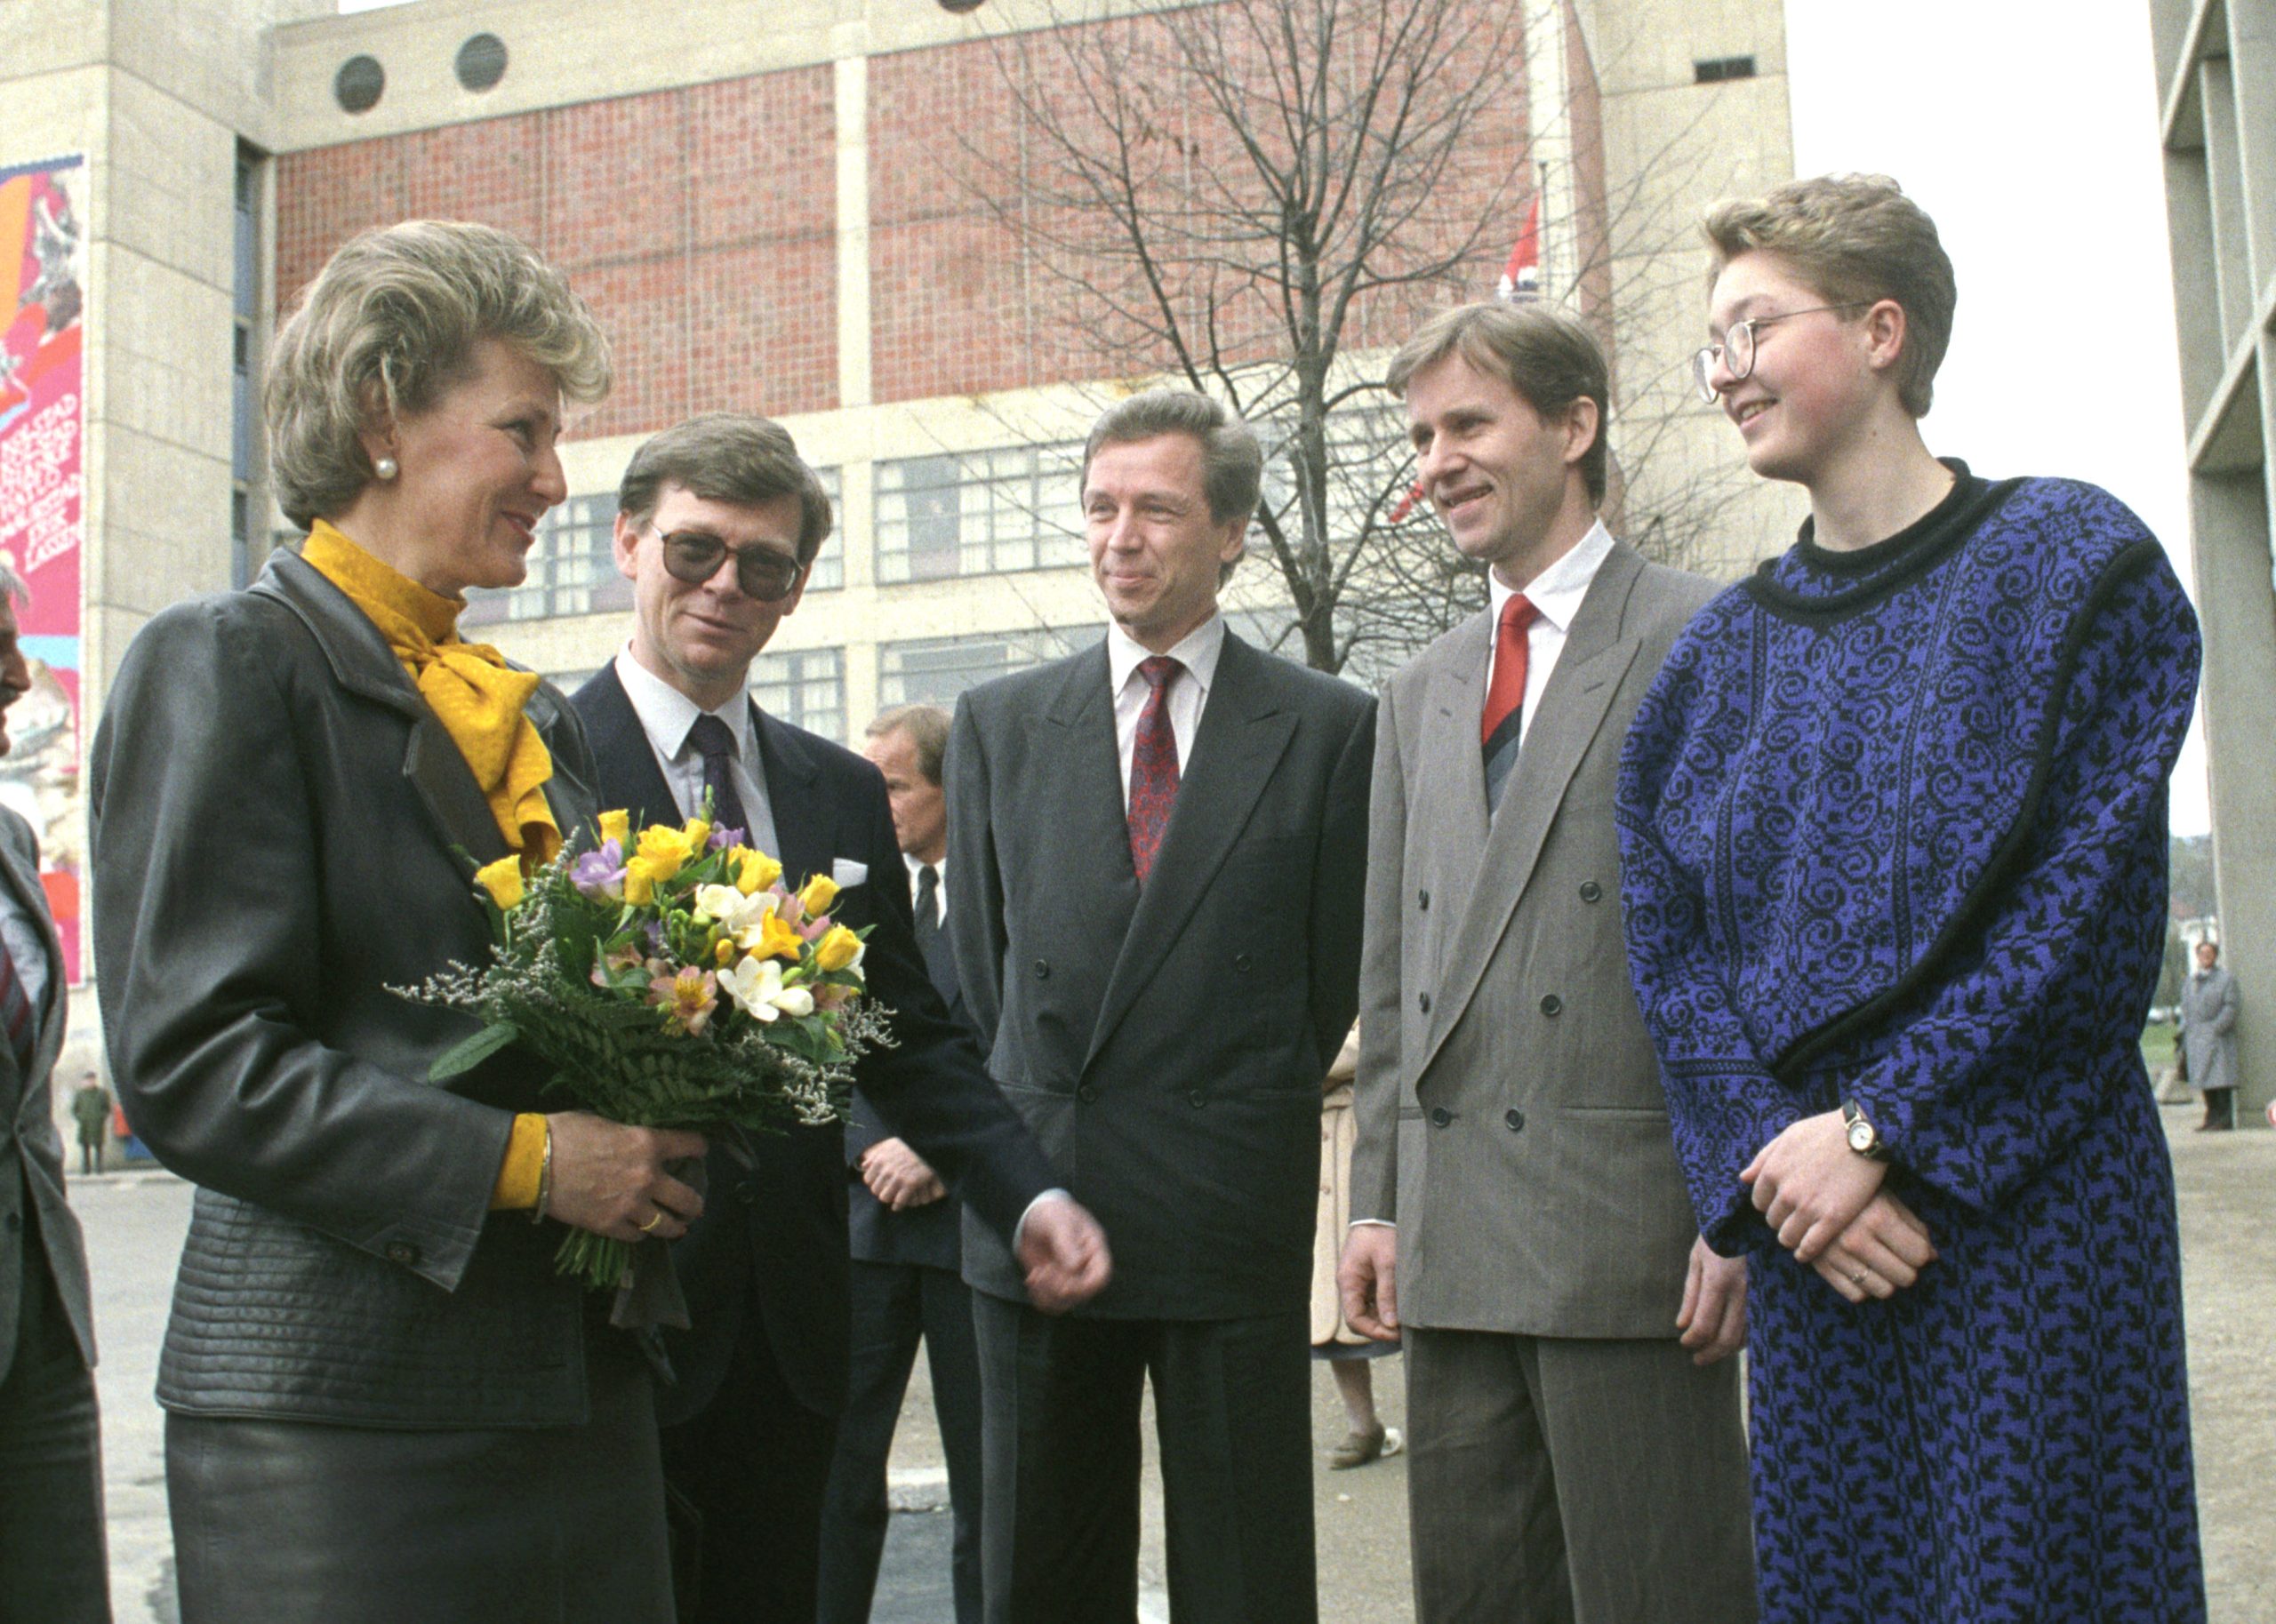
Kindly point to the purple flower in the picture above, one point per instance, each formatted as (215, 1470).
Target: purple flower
(599, 875)
(722, 838)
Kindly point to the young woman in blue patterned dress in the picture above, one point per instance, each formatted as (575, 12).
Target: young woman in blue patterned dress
(1892, 832)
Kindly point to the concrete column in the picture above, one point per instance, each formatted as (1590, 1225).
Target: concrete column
(2236, 602)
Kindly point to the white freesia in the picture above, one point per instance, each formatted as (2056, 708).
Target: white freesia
(755, 984)
(738, 916)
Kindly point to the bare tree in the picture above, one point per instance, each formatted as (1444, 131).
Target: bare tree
(1249, 194)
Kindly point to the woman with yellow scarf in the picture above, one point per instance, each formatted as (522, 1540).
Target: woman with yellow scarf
(382, 1402)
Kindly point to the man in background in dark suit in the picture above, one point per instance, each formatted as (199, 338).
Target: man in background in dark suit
(907, 1254)
(718, 527)
(1157, 849)
(52, 1565)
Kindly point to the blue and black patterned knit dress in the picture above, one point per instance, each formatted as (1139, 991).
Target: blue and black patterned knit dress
(1893, 824)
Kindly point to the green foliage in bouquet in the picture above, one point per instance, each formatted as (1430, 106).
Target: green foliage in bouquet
(667, 980)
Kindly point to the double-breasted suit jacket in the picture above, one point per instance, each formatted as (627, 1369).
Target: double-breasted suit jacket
(1165, 1044)
(32, 1207)
(1510, 1117)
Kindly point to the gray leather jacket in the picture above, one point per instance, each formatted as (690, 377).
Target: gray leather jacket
(282, 831)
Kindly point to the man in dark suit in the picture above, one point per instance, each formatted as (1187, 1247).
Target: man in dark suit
(52, 1565)
(1157, 850)
(1572, 1414)
(718, 525)
(908, 1258)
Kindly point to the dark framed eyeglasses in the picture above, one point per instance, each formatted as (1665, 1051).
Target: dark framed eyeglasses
(762, 572)
(1737, 348)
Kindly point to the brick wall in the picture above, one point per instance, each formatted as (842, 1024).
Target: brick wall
(698, 223)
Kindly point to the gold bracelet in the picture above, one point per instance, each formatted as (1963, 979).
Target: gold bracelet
(544, 1178)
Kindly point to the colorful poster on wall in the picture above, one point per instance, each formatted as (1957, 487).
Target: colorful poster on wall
(43, 277)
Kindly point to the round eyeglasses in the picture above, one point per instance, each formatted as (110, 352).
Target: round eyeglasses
(762, 572)
(1737, 348)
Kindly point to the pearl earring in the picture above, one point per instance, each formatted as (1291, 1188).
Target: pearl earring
(386, 469)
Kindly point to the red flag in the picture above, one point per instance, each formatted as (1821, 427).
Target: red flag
(1521, 276)
(1406, 503)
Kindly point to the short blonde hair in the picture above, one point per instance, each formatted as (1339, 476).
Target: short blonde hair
(1855, 239)
(390, 322)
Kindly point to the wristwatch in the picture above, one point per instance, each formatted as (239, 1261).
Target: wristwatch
(1864, 1139)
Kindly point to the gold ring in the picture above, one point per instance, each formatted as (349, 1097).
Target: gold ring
(657, 1218)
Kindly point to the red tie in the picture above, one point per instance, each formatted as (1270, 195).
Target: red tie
(1505, 699)
(1153, 765)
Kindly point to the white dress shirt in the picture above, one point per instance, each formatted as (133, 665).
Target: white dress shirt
(1556, 595)
(667, 715)
(1188, 691)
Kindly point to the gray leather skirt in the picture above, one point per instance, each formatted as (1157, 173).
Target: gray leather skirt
(295, 1522)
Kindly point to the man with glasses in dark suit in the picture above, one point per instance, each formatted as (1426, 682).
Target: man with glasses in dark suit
(718, 523)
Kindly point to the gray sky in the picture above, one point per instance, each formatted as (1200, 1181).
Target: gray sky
(2030, 134)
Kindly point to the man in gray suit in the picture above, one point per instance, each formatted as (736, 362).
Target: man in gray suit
(1575, 1451)
(1155, 849)
(2209, 1037)
(52, 1567)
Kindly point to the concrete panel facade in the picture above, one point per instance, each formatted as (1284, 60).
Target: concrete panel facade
(2216, 73)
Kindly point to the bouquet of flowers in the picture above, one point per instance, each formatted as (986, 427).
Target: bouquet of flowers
(670, 980)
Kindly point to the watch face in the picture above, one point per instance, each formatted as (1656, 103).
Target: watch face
(1860, 1137)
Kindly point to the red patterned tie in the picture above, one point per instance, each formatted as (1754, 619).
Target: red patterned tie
(1505, 696)
(1153, 765)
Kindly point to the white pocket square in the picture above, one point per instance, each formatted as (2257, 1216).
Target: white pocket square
(847, 873)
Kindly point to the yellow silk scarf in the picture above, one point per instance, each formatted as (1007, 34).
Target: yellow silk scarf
(467, 685)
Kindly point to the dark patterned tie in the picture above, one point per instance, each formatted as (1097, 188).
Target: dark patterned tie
(1505, 698)
(15, 1011)
(711, 736)
(1153, 765)
(928, 910)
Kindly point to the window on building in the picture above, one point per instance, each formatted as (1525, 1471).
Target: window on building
(935, 671)
(978, 513)
(244, 312)
(571, 568)
(805, 687)
(830, 564)
(1714, 70)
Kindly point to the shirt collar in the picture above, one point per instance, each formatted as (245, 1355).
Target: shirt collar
(1197, 652)
(666, 714)
(1556, 593)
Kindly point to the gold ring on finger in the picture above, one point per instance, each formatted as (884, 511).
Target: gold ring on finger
(1857, 1279)
(656, 1217)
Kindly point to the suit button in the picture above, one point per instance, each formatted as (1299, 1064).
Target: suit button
(1516, 1119)
(1243, 963)
(1086, 1094)
(1043, 969)
(403, 1252)
(1196, 1099)
(1590, 892)
(1425, 1000)
(1422, 900)
(1440, 1117)
(1553, 1005)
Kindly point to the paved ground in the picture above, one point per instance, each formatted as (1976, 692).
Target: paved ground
(2228, 1212)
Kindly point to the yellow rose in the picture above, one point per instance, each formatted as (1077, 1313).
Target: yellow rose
(820, 893)
(838, 949)
(639, 882)
(777, 940)
(616, 826)
(665, 851)
(755, 871)
(503, 880)
(699, 830)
